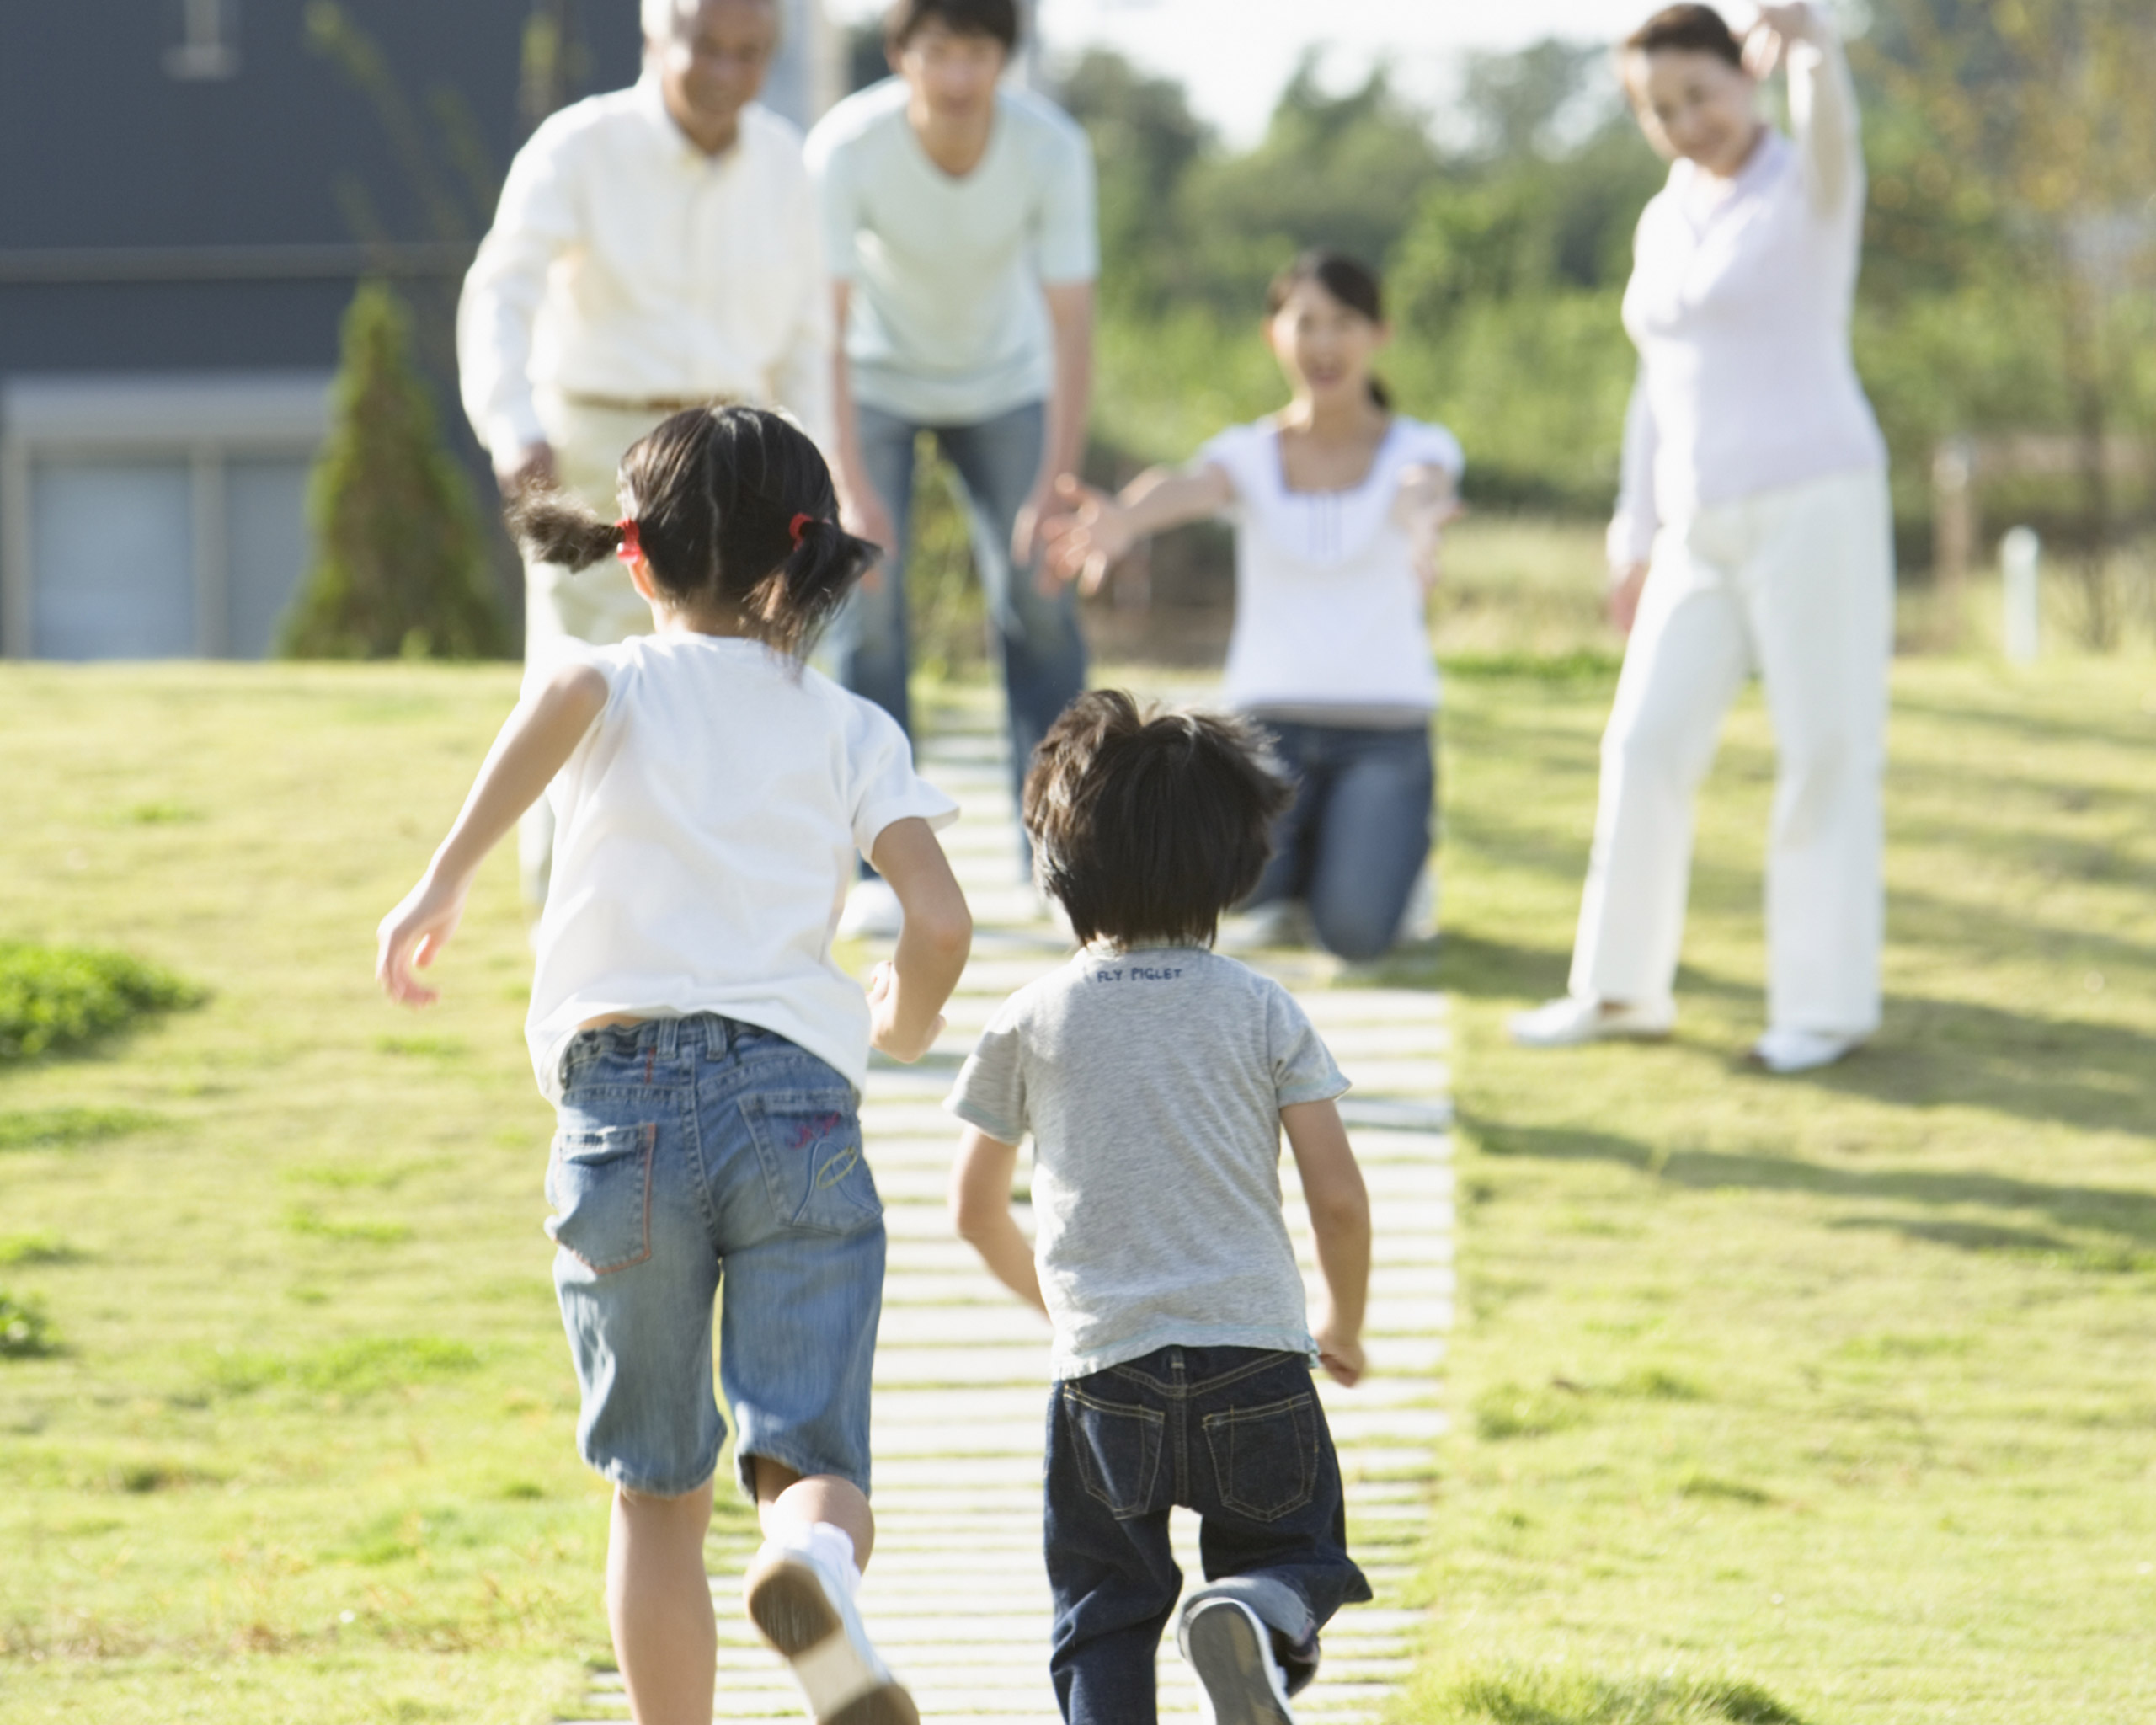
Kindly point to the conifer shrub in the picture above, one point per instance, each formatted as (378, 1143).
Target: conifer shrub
(400, 570)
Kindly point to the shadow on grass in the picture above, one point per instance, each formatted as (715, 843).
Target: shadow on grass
(2120, 1211)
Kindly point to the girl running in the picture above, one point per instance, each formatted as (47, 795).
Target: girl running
(1338, 502)
(704, 1052)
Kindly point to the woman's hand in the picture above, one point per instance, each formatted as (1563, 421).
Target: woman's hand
(1625, 587)
(412, 934)
(1777, 27)
(1425, 508)
(1088, 536)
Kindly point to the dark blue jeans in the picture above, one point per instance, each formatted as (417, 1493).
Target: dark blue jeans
(1359, 830)
(1044, 656)
(1236, 1433)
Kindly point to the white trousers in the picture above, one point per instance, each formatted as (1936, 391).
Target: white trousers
(1796, 583)
(600, 604)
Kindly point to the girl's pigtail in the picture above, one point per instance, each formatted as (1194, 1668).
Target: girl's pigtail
(552, 527)
(799, 597)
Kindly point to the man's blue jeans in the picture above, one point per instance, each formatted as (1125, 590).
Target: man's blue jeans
(1044, 656)
(1236, 1433)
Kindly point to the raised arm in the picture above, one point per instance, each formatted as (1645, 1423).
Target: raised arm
(1340, 1219)
(1095, 531)
(536, 742)
(535, 222)
(1822, 101)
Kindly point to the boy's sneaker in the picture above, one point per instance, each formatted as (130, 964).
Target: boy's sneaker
(873, 912)
(1231, 1652)
(805, 1612)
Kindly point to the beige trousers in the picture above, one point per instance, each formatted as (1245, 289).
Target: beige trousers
(598, 605)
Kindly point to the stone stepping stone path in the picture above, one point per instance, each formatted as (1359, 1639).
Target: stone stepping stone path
(956, 1595)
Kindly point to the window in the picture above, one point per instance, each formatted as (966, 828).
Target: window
(208, 44)
(154, 517)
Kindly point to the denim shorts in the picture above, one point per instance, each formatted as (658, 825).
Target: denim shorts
(690, 1150)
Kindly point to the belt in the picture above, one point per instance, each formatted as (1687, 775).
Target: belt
(650, 404)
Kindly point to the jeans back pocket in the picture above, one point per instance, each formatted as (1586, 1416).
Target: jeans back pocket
(1119, 1448)
(599, 1182)
(1265, 1458)
(808, 1142)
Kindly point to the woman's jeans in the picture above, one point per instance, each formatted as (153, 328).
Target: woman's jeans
(1236, 1433)
(1044, 656)
(1358, 832)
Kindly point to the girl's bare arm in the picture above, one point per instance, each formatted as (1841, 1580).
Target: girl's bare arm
(536, 741)
(1340, 1218)
(980, 1209)
(906, 994)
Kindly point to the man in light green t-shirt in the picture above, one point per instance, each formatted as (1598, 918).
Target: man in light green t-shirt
(958, 223)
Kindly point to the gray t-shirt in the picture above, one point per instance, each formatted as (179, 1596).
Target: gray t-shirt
(1152, 1082)
(948, 324)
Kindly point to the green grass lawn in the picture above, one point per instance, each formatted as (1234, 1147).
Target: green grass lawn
(1836, 1388)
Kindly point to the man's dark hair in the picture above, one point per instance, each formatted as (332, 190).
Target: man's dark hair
(1696, 29)
(1147, 826)
(963, 17)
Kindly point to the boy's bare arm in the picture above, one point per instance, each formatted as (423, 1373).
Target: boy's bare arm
(536, 741)
(906, 994)
(1340, 1218)
(981, 1208)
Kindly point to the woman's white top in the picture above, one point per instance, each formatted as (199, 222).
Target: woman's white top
(706, 829)
(1329, 611)
(1739, 304)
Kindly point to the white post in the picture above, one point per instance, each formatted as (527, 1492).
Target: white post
(2020, 561)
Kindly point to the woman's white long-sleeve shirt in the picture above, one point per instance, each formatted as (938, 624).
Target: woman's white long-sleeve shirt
(624, 263)
(1739, 305)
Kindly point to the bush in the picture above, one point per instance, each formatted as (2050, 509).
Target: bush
(400, 568)
(51, 996)
(26, 1332)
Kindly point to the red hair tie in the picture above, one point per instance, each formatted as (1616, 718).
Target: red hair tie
(799, 525)
(629, 550)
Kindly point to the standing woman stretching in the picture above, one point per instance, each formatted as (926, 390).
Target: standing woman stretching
(1337, 503)
(1753, 532)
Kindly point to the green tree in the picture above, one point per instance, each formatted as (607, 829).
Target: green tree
(399, 567)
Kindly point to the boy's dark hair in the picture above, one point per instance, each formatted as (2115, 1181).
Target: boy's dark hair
(1697, 29)
(1353, 284)
(729, 504)
(963, 17)
(1146, 826)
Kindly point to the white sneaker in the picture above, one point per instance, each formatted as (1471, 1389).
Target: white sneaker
(1568, 1021)
(1231, 1652)
(1282, 923)
(806, 1614)
(1785, 1052)
(873, 912)
(1418, 922)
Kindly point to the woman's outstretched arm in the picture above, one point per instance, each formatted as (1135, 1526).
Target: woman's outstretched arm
(1097, 531)
(1821, 100)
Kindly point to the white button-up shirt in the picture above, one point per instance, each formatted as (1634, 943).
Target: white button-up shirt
(627, 265)
(1739, 304)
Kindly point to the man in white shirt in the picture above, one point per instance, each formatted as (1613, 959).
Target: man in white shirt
(655, 248)
(958, 223)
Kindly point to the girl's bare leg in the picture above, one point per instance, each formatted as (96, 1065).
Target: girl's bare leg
(659, 1604)
(785, 1499)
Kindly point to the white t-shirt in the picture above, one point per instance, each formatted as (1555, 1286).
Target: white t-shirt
(1329, 611)
(948, 325)
(706, 830)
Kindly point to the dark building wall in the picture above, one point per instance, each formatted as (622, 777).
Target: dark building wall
(122, 181)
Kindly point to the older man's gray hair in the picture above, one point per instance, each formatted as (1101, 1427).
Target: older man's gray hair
(662, 19)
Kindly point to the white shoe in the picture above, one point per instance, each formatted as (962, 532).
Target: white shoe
(1231, 1652)
(1568, 1021)
(1282, 923)
(1418, 922)
(1785, 1052)
(873, 912)
(806, 1614)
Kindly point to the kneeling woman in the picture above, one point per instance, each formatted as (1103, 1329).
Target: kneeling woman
(1337, 503)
